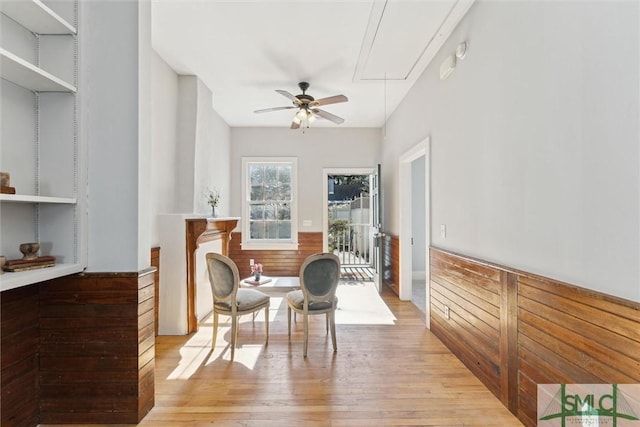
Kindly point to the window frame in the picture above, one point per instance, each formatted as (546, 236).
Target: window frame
(269, 244)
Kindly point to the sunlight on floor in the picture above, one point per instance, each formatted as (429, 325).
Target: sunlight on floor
(358, 304)
(197, 351)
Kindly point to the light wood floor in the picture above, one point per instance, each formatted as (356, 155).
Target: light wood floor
(382, 375)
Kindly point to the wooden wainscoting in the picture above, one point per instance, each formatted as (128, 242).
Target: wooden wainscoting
(19, 342)
(275, 262)
(391, 262)
(97, 348)
(472, 293)
(515, 330)
(155, 263)
(568, 334)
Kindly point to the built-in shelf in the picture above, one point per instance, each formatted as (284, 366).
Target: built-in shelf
(18, 279)
(21, 198)
(36, 17)
(27, 75)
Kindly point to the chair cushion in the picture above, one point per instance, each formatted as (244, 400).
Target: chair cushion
(247, 299)
(296, 299)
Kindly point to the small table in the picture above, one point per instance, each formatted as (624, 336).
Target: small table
(274, 283)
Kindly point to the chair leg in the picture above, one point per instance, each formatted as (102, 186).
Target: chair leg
(326, 323)
(333, 331)
(289, 321)
(234, 335)
(266, 324)
(306, 333)
(215, 330)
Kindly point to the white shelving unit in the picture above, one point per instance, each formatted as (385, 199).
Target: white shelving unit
(40, 146)
(37, 17)
(19, 198)
(22, 73)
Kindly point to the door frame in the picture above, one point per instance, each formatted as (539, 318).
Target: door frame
(405, 186)
(325, 195)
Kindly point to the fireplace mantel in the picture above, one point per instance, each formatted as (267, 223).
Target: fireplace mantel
(180, 237)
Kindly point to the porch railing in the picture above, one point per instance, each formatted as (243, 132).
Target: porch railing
(353, 245)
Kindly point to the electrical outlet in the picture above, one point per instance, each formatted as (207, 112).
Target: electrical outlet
(443, 231)
(447, 312)
(251, 261)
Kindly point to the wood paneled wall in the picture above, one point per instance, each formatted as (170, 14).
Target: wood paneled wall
(155, 263)
(568, 334)
(78, 349)
(275, 262)
(472, 292)
(19, 345)
(516, 330)
(97, 348)
(391, 262)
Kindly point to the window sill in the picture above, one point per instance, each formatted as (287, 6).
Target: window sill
(265, 246)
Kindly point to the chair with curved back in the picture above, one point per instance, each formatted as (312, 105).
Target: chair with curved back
(319, 277)
(231, 300)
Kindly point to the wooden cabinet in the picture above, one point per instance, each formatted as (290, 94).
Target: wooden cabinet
(41, 148)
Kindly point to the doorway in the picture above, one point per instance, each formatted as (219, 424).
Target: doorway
(415, 225)
(348, 219)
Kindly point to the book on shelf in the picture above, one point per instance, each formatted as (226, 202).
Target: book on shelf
(15, 265)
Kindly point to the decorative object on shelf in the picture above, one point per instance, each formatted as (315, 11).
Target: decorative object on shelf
(15, 265)
(5, 183)
(29, 250)
(213, 198)
(5, 179)
(3, 261)
(256, 270)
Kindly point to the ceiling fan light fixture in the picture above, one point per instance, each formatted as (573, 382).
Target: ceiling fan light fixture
(307, 107)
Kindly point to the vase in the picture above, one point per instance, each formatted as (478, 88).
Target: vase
(213, 212)
(258, 275)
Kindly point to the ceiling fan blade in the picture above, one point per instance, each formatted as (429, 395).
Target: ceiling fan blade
(266, 110)
(295, 124)
(330, 100)
(288, 95)
(326, 115)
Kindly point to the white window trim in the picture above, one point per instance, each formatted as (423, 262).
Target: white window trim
(247, 243)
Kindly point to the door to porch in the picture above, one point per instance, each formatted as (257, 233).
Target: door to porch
(349, 224)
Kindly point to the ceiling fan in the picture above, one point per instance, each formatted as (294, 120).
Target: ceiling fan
(307, 107)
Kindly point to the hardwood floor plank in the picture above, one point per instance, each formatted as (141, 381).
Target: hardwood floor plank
(382, 375)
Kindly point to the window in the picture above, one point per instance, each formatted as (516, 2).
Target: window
(269, 211)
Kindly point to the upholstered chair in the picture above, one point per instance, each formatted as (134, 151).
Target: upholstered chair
(319, 277)
(231, 300)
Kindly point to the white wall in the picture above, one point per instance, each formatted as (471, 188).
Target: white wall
(109, 117)
(211, 155)
(316, 149)
(534, 159)
(190, 146)
(418, 217)
(164, 97)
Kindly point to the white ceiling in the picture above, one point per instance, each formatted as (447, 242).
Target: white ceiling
(372, 51)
